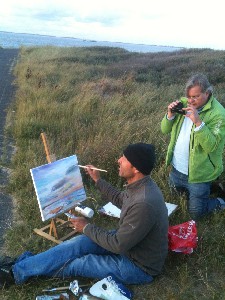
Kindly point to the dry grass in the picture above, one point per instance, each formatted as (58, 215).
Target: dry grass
(93, 102)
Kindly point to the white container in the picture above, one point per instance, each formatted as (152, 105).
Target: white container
(85, 211)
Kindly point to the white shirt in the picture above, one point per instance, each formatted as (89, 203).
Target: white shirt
(181, 151)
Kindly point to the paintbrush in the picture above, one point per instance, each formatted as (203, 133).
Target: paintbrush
(92, 168)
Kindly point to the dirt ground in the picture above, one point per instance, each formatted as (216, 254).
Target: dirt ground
(8, 59)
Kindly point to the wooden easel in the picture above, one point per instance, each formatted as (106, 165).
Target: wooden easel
(56, 223)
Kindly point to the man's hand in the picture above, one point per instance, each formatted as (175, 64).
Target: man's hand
(170, 114)
(94, 174)
(192, 113)
(79, 223)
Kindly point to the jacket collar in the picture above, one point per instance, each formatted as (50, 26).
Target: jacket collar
(208, 105)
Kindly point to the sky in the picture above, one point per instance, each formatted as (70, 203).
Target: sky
(190, 24)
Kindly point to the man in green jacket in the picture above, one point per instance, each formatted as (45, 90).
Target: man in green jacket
(196, 146)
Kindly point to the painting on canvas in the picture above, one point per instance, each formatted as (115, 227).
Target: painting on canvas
(59, 186)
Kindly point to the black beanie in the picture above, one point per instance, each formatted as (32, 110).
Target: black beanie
(141, 156)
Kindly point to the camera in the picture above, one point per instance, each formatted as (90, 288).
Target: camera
(178, 109)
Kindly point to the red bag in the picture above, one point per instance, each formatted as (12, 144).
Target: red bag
(183, 237)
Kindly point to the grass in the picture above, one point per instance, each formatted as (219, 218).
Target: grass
(93, 102)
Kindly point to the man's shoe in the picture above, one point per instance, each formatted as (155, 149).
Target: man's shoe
(6, 276)
(218, 188)
(7, 261)
(222, 203)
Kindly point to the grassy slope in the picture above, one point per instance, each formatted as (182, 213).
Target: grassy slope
(93, 102)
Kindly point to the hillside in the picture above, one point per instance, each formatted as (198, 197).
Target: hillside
(93, 102)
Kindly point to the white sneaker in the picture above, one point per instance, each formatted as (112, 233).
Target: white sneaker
(109, 289)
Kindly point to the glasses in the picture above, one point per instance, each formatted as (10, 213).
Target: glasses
(194, 97)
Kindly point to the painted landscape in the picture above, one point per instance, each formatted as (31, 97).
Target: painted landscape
(58, 186)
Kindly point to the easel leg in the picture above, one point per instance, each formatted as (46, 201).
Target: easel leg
(53, 228)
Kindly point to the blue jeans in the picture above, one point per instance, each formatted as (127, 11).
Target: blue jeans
(79, 256)
(199, 203)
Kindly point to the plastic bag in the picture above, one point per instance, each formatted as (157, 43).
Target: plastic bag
(110, 289)
(183, 237)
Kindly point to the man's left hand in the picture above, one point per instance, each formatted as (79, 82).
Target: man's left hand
(79, 223)
(192, 113)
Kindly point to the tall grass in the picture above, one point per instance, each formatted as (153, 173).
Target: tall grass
(93, 102)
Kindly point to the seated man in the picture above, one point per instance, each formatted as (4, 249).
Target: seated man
(134, 253)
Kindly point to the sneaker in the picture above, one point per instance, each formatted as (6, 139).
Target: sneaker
(109, 289)
(7, 261)
(6, 278)
(6, 275)
(222, 203)
(218, 188)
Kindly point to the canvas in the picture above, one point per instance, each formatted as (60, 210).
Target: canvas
(59, 186)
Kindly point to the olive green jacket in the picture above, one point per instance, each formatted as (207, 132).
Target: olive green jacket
(206, 144)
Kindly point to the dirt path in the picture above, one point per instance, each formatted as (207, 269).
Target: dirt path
(7, 61)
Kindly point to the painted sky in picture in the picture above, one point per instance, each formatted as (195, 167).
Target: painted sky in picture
(191, 24)
(58, 186)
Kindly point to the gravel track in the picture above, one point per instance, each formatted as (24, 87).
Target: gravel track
(8, 59)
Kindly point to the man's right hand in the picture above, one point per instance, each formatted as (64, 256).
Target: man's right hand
(94, 174)
(170, 114)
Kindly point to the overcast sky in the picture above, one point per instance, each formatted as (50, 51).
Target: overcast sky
(192, 23)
